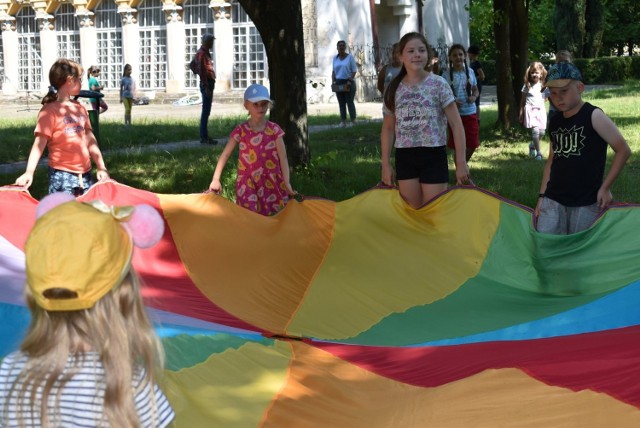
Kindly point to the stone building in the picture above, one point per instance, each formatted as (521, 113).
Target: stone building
(158, 38)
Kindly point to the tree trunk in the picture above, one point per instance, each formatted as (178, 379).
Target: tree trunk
(594, 28)
(519, 44)
(507, 108)
(280, 26)
(568, 20)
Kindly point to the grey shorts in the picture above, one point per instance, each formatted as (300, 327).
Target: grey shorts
(557, 219)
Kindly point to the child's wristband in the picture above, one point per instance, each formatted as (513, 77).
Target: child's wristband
(540, 195)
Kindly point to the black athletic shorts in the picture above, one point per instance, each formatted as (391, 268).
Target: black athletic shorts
(427, 164)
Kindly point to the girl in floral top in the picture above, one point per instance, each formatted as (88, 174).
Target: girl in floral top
(419, 104)
(263, 183)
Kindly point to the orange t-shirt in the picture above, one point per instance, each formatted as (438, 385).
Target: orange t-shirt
(65, 125)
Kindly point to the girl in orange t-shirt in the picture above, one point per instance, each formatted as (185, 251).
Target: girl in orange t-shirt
(63, 127)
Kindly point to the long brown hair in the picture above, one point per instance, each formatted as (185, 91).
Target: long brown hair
(390, 94)
(454, 47)
(58, 74)
(116, 328)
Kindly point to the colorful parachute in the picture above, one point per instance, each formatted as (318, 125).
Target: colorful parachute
(367, 313)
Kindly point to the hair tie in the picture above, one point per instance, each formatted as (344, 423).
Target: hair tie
(53, 90)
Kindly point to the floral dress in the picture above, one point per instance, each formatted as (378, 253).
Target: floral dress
(260, 185)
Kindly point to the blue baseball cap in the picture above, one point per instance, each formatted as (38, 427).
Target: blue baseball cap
(561, 74)
(255, 93)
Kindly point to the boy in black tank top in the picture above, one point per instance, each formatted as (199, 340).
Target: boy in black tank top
(573, 192)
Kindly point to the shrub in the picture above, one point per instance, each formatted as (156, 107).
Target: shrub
(604, 70)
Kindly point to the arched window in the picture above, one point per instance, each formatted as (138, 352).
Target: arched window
(67, 33)
(153, 45)
(109, 38)
(198, 20)
(29, 60)
(249, 56)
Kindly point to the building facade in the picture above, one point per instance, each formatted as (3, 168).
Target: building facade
(158, 38)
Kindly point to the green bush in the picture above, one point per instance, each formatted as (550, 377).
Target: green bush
(596, 71)
(604, 70)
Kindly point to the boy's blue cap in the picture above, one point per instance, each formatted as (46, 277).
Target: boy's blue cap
(561, 74)
(255, 93)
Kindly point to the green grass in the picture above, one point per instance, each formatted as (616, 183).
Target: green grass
(345, 162)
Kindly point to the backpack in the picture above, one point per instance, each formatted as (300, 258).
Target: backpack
(193, 65)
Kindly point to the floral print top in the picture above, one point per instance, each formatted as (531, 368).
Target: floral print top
(420, 117)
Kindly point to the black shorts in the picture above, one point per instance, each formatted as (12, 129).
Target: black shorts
(427, 164)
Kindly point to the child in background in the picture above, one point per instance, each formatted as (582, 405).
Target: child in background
(533, 114)
(262, 184)
(390, 70)
(561, 56)
(90, 356)
(465, 88)
(127, 93)
(98, 105)
(63, 127)
(573, 193)
(418, 106)
(475, 65)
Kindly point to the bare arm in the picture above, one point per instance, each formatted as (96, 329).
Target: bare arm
(459, 141)
(475, 93)
(523, 100)
(215, 185)
(96, 155)
(284, 165)
(387, 136)
(610, 133)
(37, 149)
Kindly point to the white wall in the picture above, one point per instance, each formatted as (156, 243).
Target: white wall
(445, 20)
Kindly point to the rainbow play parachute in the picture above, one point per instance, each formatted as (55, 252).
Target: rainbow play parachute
(367, 313)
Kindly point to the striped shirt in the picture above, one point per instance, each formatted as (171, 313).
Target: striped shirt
(81, 399)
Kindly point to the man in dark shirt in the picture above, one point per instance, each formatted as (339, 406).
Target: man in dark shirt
(207, 75)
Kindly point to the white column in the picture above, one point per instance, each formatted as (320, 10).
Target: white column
(175, 49)
(10, 50)
(88, 39)
(130, 39)
(223, 47)
(48, 48)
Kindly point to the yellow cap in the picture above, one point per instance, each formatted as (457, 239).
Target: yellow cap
(79, 247)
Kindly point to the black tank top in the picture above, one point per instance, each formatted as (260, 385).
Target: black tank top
(579, 157)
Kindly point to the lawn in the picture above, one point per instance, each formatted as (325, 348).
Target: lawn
(345, 162)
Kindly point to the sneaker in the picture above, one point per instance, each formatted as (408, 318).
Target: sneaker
(539, 157)
(208, 141)
(532, 150)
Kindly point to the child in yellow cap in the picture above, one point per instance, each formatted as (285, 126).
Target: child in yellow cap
(90, 356)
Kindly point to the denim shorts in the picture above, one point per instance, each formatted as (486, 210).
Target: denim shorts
(69, 182)
(558, 219)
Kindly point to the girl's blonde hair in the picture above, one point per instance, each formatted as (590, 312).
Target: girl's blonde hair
(535, 66)
(58, 74)
(390, 93)
(116, 328)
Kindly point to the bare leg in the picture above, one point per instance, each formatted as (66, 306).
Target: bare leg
(417, 194)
